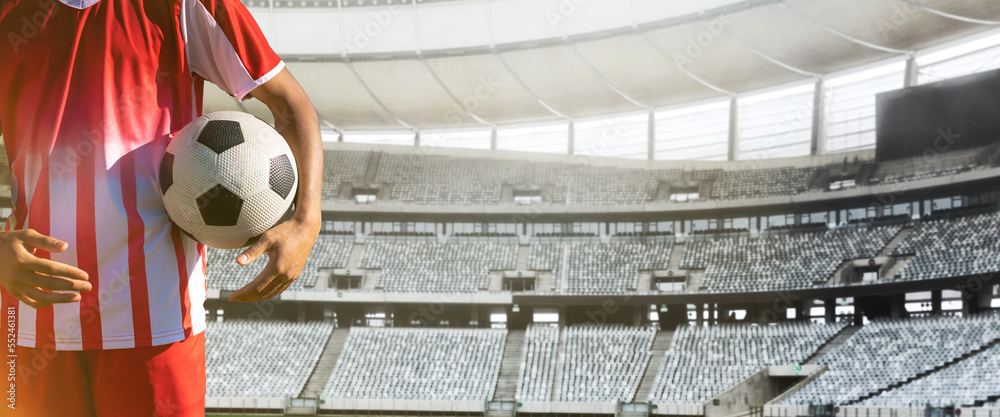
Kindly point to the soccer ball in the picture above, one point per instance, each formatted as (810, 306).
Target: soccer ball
(227, 178)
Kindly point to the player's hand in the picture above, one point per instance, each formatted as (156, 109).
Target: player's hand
(287, 245)
(34, 280)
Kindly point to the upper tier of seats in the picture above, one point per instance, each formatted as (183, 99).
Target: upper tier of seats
(437, 267)
(781, 262)
(261, 358)
(761, 182)
(418, 364)
(586, 185)
(892, 351)
(342, 166)
(457, 180)
(955, 247)
(602, 363)
(424, 179)
(705, 361)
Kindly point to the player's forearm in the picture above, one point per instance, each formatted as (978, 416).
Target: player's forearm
(296, 121)
(301, 130)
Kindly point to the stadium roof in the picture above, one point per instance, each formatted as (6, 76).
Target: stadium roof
(381, 64)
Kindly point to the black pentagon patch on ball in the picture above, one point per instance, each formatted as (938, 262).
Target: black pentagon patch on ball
(220, 207)
(219, 135)
(166, 172)
(282, 175)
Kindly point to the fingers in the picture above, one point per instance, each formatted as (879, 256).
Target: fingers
(42, 242)
(253, 252)
(45, 299)
(56, 269)
(252, 291)
(268, 284)
(55, 283)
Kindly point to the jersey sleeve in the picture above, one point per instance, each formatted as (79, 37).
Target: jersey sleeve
(225, 46)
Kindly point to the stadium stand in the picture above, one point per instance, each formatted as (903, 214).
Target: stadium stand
(597, 268)
(602, 363)
(548, 257)
(418, 364)
(949, 248)
(607, 268)
(705, 361)
(935, 165)
(225, 274)
(426, 179)
(452, 180)
(342, 166)
(888, 352)
(538, 363)
(585, 185)
(950, 386)
(261, 358)
(762, 182)
(458, 267)
(781, 262)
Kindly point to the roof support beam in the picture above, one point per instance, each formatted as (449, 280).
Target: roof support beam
(437, 79)
(951, 16)
(604, 79)
(843, 35)
(818, 139)
(734, 129)
(511, 71)
(769, 58)
(681, 68)
(350, 65)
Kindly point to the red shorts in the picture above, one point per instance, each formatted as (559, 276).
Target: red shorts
(166, 380)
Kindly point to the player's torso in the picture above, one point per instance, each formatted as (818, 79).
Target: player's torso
(90, 96)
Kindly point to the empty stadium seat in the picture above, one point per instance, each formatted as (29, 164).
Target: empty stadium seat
(782, 262)
(891, 351)
(705, 361)
(261, 358)
(602, 363)
(954, 247)
(460, 267)
(538, 363)
(418, 364)
(342, 166)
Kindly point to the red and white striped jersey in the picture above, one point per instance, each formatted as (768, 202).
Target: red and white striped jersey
(90, 91)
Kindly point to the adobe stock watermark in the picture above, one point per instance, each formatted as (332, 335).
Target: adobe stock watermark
(372, 29)
(32, 26)
(901, 13)
(700, 42)
(562, 12)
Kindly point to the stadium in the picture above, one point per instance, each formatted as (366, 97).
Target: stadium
(768, 208)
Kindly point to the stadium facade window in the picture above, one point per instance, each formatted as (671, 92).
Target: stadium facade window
(967, 58)
(699, 132)
(682, 197)
(776, 124)
(841, 184)
(547, 138)
(850, 106)
(397, 137)
(455, 138)
(620, 136)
